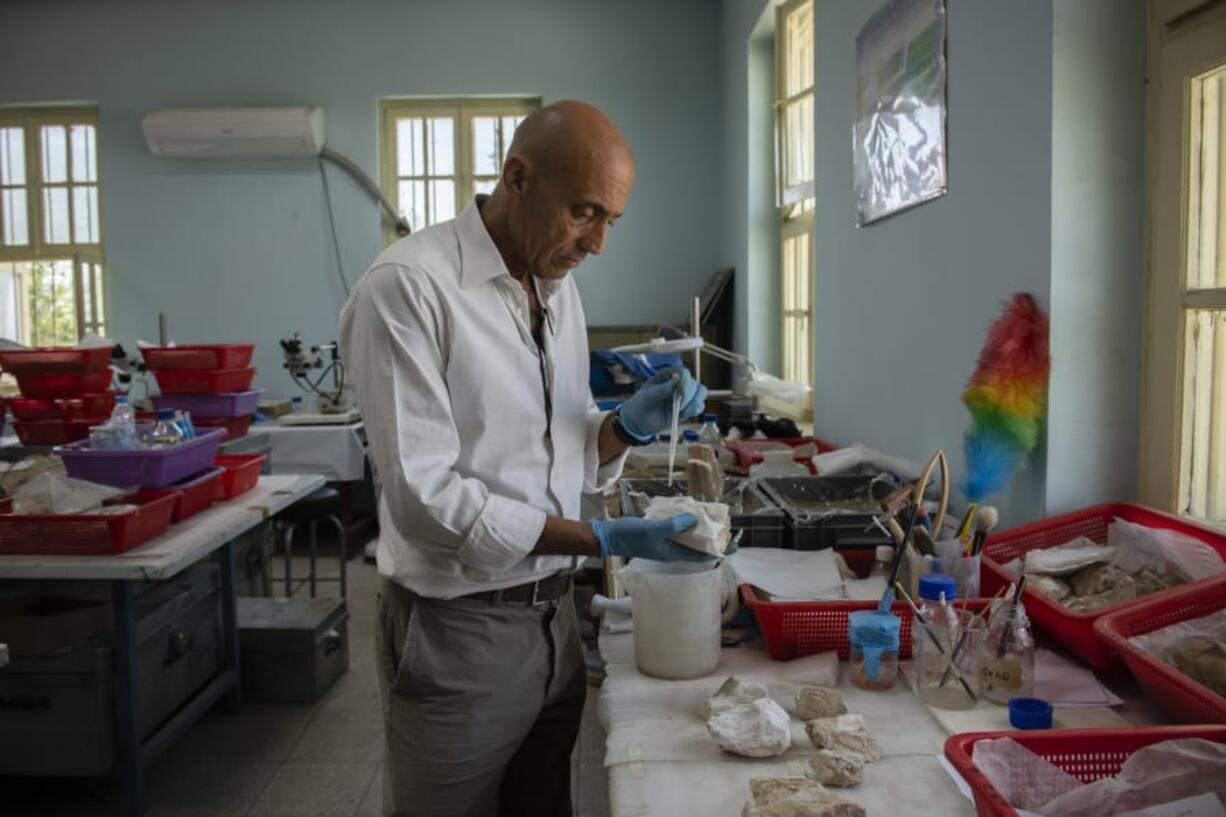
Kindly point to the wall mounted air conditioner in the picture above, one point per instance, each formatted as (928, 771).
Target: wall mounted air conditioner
(239, 133)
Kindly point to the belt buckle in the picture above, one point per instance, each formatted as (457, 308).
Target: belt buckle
(536, 592)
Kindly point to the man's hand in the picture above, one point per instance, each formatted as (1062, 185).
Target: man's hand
(634, 537)
(650, 410)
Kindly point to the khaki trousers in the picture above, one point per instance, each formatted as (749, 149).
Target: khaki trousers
(481, 705)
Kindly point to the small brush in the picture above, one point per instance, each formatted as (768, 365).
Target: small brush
(1012, 617)
(901, 543)
(970, 625)
(985, 522)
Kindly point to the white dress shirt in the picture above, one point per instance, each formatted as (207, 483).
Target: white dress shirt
(437, 341)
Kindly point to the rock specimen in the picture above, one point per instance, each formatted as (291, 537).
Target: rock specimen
(1203, 660)
(1150, 579)
(732, 693)
(836, 768)
(758, 729)
(1055, 589)
(796, 797)
(847, 733)
(1117, 594)
(819, 702)
(1098, 579)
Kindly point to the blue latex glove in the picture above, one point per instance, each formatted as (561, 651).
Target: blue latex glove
(639, 538)
(650, 410)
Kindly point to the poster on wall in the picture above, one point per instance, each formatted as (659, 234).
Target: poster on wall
(899, 130)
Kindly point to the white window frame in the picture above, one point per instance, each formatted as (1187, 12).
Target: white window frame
(462, 110)
(1185, 41)
(88, 259)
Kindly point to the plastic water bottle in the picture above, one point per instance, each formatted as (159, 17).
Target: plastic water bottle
(709, 433)
(689, 436)
(123, 419)
(296, 405)
(166, 432)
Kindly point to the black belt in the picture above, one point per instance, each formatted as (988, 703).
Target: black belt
(547, 589)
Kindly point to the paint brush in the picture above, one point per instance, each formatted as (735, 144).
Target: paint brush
(887, 598)
(1004, 637)
(971, 625)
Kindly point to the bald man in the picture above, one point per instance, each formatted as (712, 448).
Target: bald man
(467, 346)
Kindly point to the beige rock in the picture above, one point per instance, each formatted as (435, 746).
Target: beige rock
(796, 797)
(1120, 593)
(1098, 579)
(1050, 586)
(835, 768)
(819, 702)
(1150, 579)
(758, 729)
(848, 733)
(732, 693)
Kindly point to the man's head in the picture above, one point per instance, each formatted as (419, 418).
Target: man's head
(565, 182)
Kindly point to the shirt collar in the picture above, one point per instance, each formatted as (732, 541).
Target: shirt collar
(480, 260)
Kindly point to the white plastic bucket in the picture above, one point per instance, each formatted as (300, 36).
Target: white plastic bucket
(676, 617)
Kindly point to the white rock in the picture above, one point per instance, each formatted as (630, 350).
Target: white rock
(732, 693)
(818, 702)
(796, 797)
(848, 733)
(837, 768)
(758, 729)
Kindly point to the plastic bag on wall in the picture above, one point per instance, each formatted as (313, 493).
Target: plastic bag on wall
(899, 132)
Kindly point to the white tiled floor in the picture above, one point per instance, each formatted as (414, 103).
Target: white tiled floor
(321, 760)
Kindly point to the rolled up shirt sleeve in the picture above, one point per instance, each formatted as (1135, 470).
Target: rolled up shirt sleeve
(598, 476)
(393, 342)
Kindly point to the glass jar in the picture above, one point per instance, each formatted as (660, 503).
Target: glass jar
(1006, 659)
(873, 658)
(939, 663)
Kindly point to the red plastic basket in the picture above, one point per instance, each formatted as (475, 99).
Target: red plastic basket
(1087, 754)
(87, 405)
(198, 356)
(749, 452)
(242, 473)
(86, 534)
(63, 384)
(49, 359)
(1076, 630)
(792, 629)
(1184, 699)
(235, 426)
(54, 432)
(204, 381)
(194, 494)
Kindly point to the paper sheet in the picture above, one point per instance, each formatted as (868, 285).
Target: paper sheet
(1068, 685)
(794, 575)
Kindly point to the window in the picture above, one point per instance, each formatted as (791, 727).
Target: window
(795, 183)
(436, 154)
(51, 260)
(1183, 462)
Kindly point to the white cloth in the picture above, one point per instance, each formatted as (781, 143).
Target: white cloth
(711, 531)
(336, 453)
(437, 339)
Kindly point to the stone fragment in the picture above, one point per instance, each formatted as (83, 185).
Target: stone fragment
(848, 733)
(832, 767)
(1118, 594)
(758, 729)
(732, 693)
(1150, 579)
(819, 702)
(1098, 579)
(796, 797)
(1055, 589)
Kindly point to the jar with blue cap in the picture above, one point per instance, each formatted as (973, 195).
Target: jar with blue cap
(942, 658)
(873, 658)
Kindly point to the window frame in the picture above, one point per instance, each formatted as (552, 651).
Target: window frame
(463, 110)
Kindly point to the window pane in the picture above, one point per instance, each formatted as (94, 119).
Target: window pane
(12, 156)
(413, 203)
(484, 186)
(1204, 455)
(486, 161)
(84, 161)
(509, 124)
(85, 215)
(441, 147)
(409, 147)
(52, 310)
(9, 303)
(799, 43)
(798, 142)
(55, 215)
(1207, 183)
(442, 200)
(55, 153)
(13, 206)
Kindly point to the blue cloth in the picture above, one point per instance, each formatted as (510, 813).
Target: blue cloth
(641, 367)
(873, 632)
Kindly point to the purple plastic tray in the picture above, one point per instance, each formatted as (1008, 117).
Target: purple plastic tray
(150, 467)
(233, 404)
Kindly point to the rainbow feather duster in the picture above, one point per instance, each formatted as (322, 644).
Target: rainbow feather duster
(1007, 396)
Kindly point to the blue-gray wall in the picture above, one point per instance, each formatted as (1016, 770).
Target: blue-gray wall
(236, 250)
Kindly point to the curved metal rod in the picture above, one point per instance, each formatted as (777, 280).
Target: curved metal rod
(348, 165)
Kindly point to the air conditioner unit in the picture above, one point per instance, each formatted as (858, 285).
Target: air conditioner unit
(234, 133)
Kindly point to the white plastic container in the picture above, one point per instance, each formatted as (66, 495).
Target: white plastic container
(676, 617)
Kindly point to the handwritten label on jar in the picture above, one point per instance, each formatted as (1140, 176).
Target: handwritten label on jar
(1001, 674)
